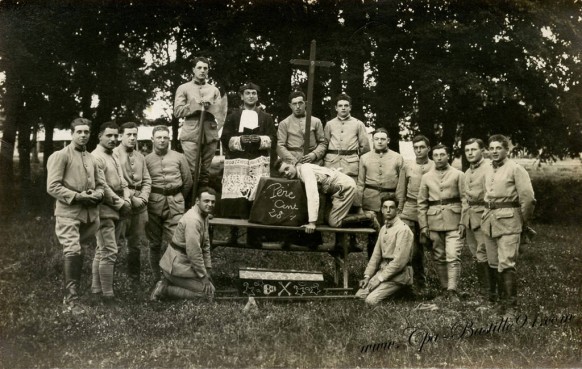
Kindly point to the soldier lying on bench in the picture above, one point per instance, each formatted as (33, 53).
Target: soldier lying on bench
(341, 187)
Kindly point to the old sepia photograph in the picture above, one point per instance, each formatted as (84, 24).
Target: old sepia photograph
(290, 184)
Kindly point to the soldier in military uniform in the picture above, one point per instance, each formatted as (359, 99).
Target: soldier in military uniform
(439, 217)
(115, 201)
(171, 183)
(509, 206)
(481, 246)
(407, 195)
(139, 183)
(76, 183)
(378, 176)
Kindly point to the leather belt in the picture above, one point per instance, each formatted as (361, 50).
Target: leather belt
(166, 192)
(381, 189)
(410, 199)
(132, 187)
(451, 200)
(342, 152)
(390, 259)
(501, 205)
(178, 248)
(294, 148)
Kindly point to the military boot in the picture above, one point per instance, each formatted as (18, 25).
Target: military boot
(367, 218)
(483, 278)
(443, 276)
(510, 291)
(493, 284)
(133, 268)
(72, 269)
(500, 306)
(155, 263)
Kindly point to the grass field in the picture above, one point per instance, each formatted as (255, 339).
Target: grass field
(35, 332)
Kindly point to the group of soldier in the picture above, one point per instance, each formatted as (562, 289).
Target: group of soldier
(419, 203)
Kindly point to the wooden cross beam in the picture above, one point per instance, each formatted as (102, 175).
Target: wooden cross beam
(312, 63)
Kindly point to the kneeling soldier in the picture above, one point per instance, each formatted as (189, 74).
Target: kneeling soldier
(186, 263)
(389, 267)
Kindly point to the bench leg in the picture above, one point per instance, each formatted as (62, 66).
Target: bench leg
(336, 275)
(345, 242)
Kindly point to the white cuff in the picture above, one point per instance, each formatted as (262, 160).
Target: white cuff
(265, 142)
(234, 144)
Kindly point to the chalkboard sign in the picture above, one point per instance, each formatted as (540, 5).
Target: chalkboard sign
(279, 201)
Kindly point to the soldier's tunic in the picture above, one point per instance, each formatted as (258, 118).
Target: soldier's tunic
(378, 175)
(187, 105)
(481, 246)
(70, 171)
(116, 193)
(139, 183)
(347, 141)
(341, 187)
(171, 183)
(439, 209)
(509, 202)
(390, 262)
(290, 139)
(407, 195)
(186, 261)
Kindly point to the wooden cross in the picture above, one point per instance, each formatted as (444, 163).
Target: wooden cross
(310, 77)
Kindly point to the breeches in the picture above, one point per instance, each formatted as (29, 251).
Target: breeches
(159, 228)
(507, 251)
(106, 251)
(135, 230)
(341, 200)
(482, 247)
(191, 284)
(207, 153)
(446, 246)
(71, 233)
(380, 293)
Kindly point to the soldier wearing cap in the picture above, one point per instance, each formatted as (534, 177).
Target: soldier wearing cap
(171, 183)
(76, 183)
(439, 217)
(509, 206)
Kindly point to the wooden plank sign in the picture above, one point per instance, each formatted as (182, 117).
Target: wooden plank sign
(260, 282)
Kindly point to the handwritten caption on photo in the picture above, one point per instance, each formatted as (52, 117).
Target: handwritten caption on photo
(420, 338)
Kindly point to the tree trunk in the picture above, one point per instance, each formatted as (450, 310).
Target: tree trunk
(25, 198)
(12, 100)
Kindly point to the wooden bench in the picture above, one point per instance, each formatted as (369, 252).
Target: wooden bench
(342, 239)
